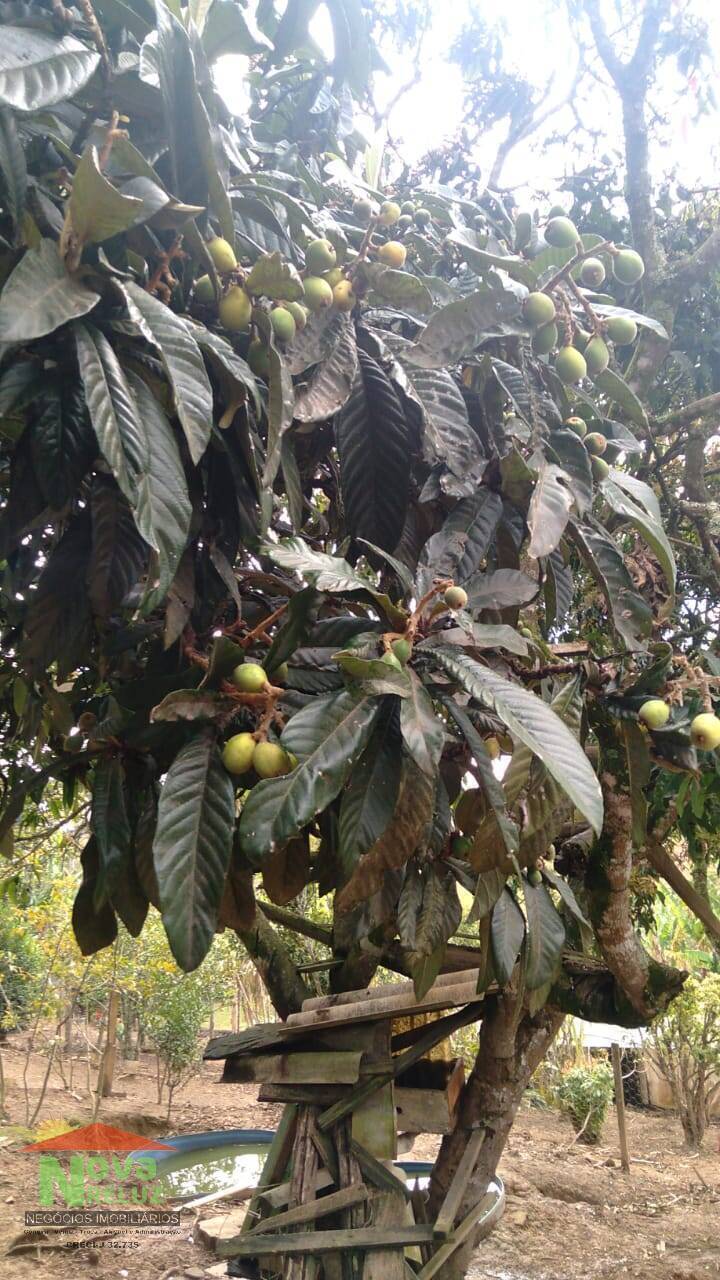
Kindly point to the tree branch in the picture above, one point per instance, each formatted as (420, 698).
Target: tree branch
(277, 971)
(660, 859)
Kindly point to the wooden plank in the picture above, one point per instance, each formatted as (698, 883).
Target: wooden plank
(376, 1172)
(387, 989)
(321, 1095)
(445, 1219)
(461, 1233)
(327, 1153)
(438, 998)
(275, 1161)
(296, 1068)
(620, 1106)
(433, 1034)
(422, 1111)
(373, 1123)
(362, 1239)
(388, 1212)
(345, 1198)
(277, 1197)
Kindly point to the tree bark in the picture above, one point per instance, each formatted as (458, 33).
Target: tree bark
(509, 1050)
(272, 961)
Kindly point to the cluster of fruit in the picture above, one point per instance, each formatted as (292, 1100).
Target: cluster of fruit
(245, 751)
(580, 354)
(596, 443)
(401, 217)
(324, 285)
(704, 728)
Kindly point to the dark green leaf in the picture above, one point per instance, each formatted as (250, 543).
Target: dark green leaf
(504, 828)
(331, 382)
(374, 448)
(457, 329)
(507, 931)
(463, 541)
(112, 408)
(502, 589)
(549, 509)
(440, 914)
(631, 616)
(119, 554)
(447, 436)
(62, 443)
(39, 296)
(422, 731)
(617, 390)
(93, 929)
(38, 69)
(328, 737)
(191, 850)
(545, 936)
(570, 452)
(110, 826)
(193, 704)
(96, 209)
(13, 170)
(566, 893)
(488, 888)
(532, 721)
(652, 531)
(424, 970)
(368, 801)
(57, 621)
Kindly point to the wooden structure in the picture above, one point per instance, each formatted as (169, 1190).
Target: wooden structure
(331, 1204)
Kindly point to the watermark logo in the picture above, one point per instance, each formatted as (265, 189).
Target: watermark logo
(100, 1177)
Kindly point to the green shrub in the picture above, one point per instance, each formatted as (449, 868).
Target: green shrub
(686, 1046)
(585, 1094)
(20, 966)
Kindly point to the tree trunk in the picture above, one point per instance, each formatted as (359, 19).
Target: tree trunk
(282, 980)
(509, 1050)
(109, 1057)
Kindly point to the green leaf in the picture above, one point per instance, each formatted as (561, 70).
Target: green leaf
(112, 408)
(631, 616)
(490, 885)
(39, 296)
(549, 510)
(183, 362)
(507, 931)
(324, 572)
(191, 849)
(646, 322)
(13, 170)
(638, 490)
(162, 508)
(119, 554)
(331, 382)
(190, 151)
(281, 403)
(456, 330)
(384, 679)
(110, 826)
(463, 541)
(328, 737)
(193, 704)
(545, 936)
(424, 969)
(532, 721)
(440, 914)
(274, 277)
(398, 287)
(226, 31)
(62, 443)
(482, 261)
(37, 70)
(651, 530)
(565, 448)
(368, 801)
(286, 870)
(422, 731)
(93, 929)
(97, 210)
(617, 390)
(504, 828)
(373, 442)
(568, 897)
(503, 589)
(447, 434)
(57, 623)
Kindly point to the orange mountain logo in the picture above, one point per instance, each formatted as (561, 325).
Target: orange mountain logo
(99, 1137)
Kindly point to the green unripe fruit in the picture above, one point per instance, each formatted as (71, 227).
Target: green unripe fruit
(389, 213)
(586, 412)
(402, 649)
(455, 598)
(249, 677)
(654, 713)
(235, 310)
(705, 731)
(392, 254)
(561, 233)
(407, 207)
(595, 443)
(592, 273)
(570, 365)
(545, 339)
(577, 425)
(628, 266)
(597, 357)
(299, 314)
(404, 222)
(423, 217)
(599, 467)
(391, 660)
(523, 230)
(492, 746)
(280, 674)
(362, 210)
(237, 755)
(73, 742)
(622, 330)
(334, 277)
(87, 722)
(535, 876)
(557, 211)
(269, 760)
(283, 324)
(460, 846)
(222, 254)
(318, 294)
(204, 291)
(258, 358)
(344, 296)
(539, 309)
(526, 633)
(320, 256)
(580, 338)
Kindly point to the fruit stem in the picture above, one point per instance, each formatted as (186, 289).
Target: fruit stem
(554, 281)
(586, 306)
(439, 589)
(258, 632)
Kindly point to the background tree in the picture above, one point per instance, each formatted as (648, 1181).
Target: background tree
(301, 531)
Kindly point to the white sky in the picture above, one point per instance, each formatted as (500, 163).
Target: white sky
(431, 111)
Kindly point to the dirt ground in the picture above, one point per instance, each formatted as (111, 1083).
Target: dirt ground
(571, 1213)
